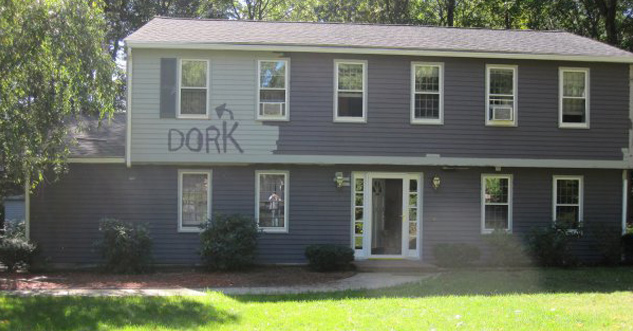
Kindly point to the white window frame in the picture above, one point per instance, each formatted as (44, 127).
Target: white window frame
(209, 175)
(180, 87)
(349, 119)
(515, 89)
(564, 125)
(581, 198)
(286, 175)
(510, 179)
(428, 121)
(286, 116)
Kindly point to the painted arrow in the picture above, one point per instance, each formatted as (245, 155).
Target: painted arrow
(222, 109)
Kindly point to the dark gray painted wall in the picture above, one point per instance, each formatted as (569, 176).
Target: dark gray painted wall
(65, 215)
(388, 131)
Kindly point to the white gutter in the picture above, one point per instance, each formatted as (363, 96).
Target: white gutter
(97, 160)
(625, 199)
(128, 111)
(377, 51)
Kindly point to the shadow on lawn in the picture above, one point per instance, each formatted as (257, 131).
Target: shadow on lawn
(92, 313)
(486, 283)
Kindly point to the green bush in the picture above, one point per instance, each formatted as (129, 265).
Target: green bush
(455, 254)
(551, 246)
(15, 250)
(329, 257)
(607, 241)
(506, 249)
(125, 247)
(229, 242)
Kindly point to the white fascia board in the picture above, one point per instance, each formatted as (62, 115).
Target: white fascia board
(376, 51)
(402, 160)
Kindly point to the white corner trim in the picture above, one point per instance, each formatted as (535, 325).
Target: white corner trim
(128, 115)
(99, 160)
(209, 174)
(27, 207)
(375, 50)
(286, 201)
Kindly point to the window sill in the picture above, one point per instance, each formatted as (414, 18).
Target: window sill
(350, 120)
(426, 122)
(502, 124)
(573, 126)
(490, 231)
(273, 230)
(272, 119)
(193, 117)
(189, 230)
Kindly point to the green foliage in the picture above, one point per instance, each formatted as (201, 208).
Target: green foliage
(53, 65)
(551, 246)
(125, 247)
(607, 240)
(453, 255)
(329, 257)
(15, 250)
(229, 242)
(506, 249)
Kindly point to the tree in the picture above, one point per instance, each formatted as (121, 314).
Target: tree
(54, 64)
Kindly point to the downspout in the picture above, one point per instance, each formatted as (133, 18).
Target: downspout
(625, 199)
(128, 111)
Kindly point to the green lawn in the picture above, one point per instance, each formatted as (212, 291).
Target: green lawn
(532, 299)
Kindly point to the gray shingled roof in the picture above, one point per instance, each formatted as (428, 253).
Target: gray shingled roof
(94, 140)
(398, 37)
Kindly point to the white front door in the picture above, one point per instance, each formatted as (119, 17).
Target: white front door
(386, 215)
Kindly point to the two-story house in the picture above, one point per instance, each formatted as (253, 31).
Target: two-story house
(388, 138)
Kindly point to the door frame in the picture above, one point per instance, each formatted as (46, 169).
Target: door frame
(368, 177)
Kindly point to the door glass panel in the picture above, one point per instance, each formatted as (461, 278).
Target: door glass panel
(413, 235)
(386, 217)
(359, 213)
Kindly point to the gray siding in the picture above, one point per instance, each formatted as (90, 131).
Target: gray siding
(65, 215)
(388, 133)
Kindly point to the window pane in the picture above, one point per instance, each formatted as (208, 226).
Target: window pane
(359, 185)
(359, 200)
(272, 74)
(413, 200)
(427, 79)
(358, 228)
(358, 213)
(194, 73)
(574, 110)
(413, 185)
(567, 191)
(193, 102)
(194, 199)
(427, 106)
(413, 215)
(567, 215)
(413, 233)
(501, 81)
(350, 104)
(358, 242)
(272, 96)
(574, 84)
(496, 190)
(350, 76)
(271, 200)
(496, 217)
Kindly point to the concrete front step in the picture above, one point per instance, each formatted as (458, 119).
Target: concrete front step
(393, 265)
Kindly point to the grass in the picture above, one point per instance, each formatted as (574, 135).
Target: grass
(531, 299)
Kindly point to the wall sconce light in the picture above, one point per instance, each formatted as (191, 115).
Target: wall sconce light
(436, 182)
(340, 180)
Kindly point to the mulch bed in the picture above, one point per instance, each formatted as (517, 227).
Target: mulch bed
(181, 278)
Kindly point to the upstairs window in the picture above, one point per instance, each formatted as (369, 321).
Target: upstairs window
(271, 211)
(574, 98)
(350, 97)
(501, 95)
(568, 201)
(427, 99)
(194, 199)
(193, 89)
(496, 196)
(272, 96)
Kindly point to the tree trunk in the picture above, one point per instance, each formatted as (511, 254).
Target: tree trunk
(450, 12)
(608, 11)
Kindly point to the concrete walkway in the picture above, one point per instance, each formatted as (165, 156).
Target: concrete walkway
(360, 281)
